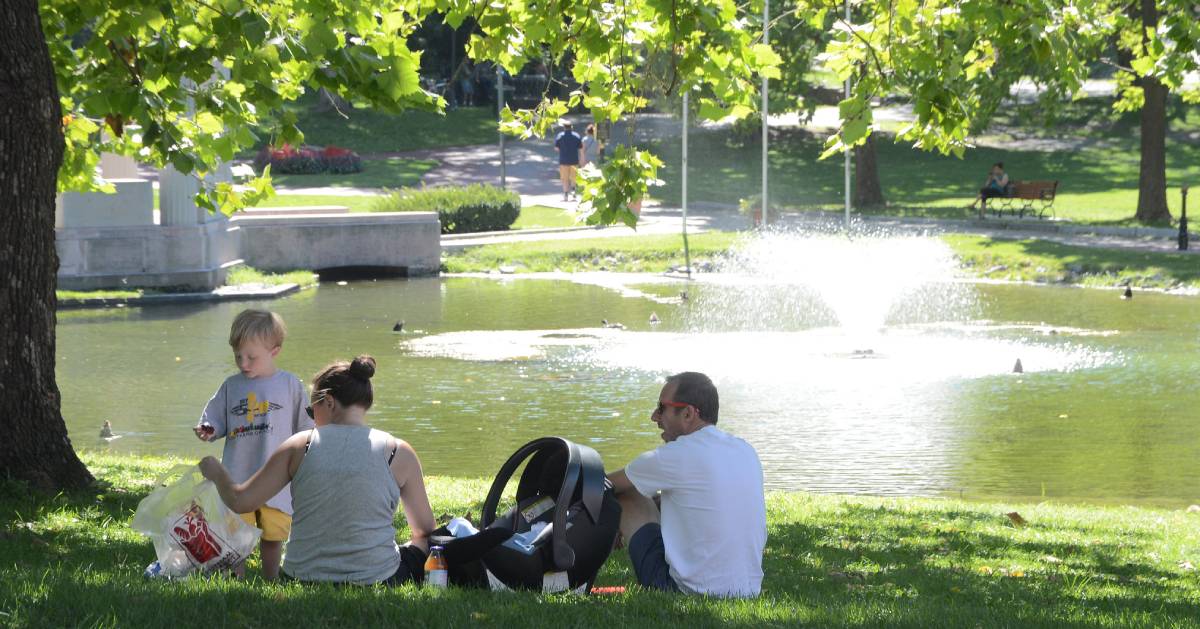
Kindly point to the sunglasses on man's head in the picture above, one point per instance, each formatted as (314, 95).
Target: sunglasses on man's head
(660, 408)
(318, 397)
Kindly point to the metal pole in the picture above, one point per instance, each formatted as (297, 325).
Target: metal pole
(765, 112)
(847, 153)
(500, 108)
(687, 253)
(1183, 223)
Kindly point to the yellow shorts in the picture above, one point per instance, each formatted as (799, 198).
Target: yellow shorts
(275, 524)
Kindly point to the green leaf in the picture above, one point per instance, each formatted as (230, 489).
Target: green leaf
(1144, 66)
(855, 131)
(209, 123)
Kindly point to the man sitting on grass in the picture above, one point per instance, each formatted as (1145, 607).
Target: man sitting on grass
(710, 484)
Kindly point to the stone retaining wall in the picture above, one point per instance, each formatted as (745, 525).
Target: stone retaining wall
(396, 240)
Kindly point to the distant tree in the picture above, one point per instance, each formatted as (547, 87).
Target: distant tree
(1160, 40)
(957, 60)
(188, 83)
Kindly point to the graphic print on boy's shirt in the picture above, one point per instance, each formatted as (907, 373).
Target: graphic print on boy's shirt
(252, 408)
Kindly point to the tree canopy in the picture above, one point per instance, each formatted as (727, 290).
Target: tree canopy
(958, 60)
(191, 83)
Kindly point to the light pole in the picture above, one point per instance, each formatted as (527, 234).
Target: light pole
(846, 157)
(687, 254)
(765, 113)
(500, 108)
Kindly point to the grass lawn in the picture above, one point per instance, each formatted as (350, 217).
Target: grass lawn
(1045, 261)
(1023, 260)
(98, 294)
(1097, 184)
(369, 131)
(72, 560)
(240, 274)
(652, 254)
(390, 172)
(356, 203)
(540, 216)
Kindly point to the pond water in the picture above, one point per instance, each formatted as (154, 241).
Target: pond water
(885, 378)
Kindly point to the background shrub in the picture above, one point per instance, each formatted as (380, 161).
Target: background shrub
(474, 208)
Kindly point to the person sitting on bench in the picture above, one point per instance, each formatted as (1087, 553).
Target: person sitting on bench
(995, 186)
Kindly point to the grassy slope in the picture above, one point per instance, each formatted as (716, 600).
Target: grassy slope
(1027, 260)
(538, 216)
(390, 172)
(1045, 261)
(368, 131)
(240, 274)
(830, 561)
(641, 253)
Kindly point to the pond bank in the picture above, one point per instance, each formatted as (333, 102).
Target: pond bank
(72, 559)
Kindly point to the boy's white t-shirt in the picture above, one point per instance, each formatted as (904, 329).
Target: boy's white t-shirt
(714, 516)
(255, 416)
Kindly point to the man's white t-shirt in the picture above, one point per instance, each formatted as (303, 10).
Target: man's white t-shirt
(714, 517)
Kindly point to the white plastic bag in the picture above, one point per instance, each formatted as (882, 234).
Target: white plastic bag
(192, 530)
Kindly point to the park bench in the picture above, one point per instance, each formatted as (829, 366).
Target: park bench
(1034, 197)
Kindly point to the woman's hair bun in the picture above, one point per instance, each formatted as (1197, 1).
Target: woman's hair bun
(363, 367)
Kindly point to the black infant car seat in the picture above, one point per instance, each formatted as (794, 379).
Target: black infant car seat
(562, 486)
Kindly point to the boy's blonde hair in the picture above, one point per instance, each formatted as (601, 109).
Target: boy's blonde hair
(253, 324)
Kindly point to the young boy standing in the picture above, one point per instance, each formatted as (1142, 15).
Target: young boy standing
(256, 410)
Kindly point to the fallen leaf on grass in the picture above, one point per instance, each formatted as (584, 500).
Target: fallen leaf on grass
(1016, 518)
(1051, 559)
(1186, 565)
(478, 616)
(985, 570)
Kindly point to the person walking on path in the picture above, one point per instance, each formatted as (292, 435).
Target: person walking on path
(709, 535)
(569, 145)
(587, 154)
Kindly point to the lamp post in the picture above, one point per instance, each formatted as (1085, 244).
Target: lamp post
(765, 112)
(1183, 228)
(500, 108)
(846, 158)
(687, 254)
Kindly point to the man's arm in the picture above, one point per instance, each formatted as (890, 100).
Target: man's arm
(621, 483)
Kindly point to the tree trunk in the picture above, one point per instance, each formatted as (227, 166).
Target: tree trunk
(34, 446)
(867, 191)
(1152, 183)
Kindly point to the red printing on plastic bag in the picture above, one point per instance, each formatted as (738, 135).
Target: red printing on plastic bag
(194, 535)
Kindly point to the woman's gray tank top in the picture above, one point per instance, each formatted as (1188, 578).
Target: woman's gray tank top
(344, 499)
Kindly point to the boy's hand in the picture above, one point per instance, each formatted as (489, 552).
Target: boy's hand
(211, 468)
(204, 432)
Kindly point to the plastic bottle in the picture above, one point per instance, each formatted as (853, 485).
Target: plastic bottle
(436, 570)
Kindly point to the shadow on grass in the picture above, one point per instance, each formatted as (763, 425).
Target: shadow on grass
(928, 561)
(851, 565)
(1182, 267)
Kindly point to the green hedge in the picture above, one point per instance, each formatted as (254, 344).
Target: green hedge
(474, 208)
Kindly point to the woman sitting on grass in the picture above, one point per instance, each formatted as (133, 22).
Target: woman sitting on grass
(347, 480)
